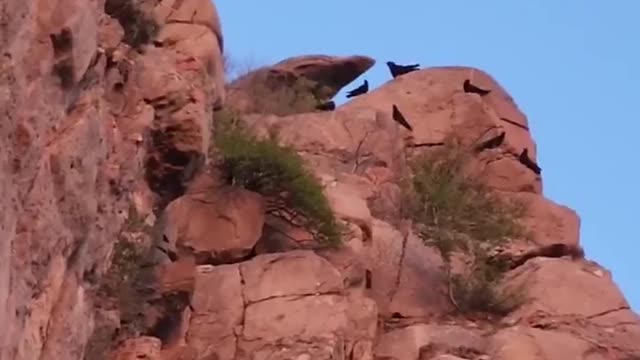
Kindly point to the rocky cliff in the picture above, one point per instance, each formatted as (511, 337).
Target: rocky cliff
(131, 228)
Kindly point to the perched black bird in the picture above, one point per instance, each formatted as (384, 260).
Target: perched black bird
(494, 142)
(397, 70)
(400, 119)
(470, 88)
(526, 161)
(362, 89)
(326, 106)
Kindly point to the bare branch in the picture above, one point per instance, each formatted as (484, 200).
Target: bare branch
(356, 163)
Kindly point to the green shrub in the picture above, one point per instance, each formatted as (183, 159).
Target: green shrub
(126, 284)
(139, 28)
(278, 173)
(458, 214)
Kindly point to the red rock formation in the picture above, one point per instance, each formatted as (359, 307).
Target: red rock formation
(93, 126)
(72, 148)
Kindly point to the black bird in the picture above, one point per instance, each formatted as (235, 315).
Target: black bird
(397, 70)
(326, 106)
(400, 119)
(526, 161)
(362, 89)
(470, 88)
(494, 142)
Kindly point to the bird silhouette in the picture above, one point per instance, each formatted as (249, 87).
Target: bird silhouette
(326, 106)
(397, 70)
(526, 161)
(400, 119)
(470, 88)
(362, 89)
(494, 142)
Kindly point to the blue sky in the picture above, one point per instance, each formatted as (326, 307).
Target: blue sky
(572, 66)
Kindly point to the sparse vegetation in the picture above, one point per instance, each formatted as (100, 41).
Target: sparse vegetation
(281, 96)
(139, 28)
(276, 172)
(268, 92)
(459, 215)
(128, 283)
(234, 68)
(127, 286)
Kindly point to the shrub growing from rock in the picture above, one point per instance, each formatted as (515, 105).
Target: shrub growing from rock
(276, 172)
(458, 215)
(139, 28)
(126, 287)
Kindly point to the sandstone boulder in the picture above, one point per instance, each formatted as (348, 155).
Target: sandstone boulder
(576, 297)
(317, 77)
(197, 12)
(216, 224)
(218, 312)
(254, 310)
(548, 222)
(535, 344)
(434, 103)
(193, 28)
(329, 71)
(347, 205)
(263, 278)
(406, 277)
(180, 132)
(421, 288)
(418, 341)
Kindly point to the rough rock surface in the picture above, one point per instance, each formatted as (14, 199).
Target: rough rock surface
(320, 76)
(359, 146)
(93, 127)
(193, 27)
(237, 215)
(274, 306)
(413, 342)
(72, 148)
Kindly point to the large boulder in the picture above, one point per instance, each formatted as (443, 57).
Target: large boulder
(257, 310)
(176, 87)
(416, 342)
(215, 223)
(537, 344)
(193, 28)
(295, 84)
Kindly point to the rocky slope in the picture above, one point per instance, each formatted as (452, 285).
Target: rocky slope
(106, 135)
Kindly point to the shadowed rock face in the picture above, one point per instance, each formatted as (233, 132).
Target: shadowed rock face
(319, 76)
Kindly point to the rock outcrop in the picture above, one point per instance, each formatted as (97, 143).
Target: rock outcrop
(277, 306)
(295, 85)
(85, 115)
(359, 146)
(106, 139)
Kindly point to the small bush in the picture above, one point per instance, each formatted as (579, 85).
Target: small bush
(458, 214)
(276, 172)
(235, 68)
(126, 284)
(139, 28)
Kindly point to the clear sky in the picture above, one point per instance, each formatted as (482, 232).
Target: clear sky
(572, 66)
